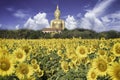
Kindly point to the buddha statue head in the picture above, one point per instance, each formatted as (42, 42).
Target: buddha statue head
(57, 13)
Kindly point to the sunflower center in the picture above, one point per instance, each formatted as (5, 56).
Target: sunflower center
(102, 52)
(33, 62)
(109, 59)
(27, 50)
(118, 50)
(4, 52)
(82, 51)
(93, 75)
(25, 70)
(102, 66)
(19, 55)
(35, 66)
(118, 74)
(65, 67)
(4, 65)
(40, 73)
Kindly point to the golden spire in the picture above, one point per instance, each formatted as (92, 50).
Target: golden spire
(57, 7)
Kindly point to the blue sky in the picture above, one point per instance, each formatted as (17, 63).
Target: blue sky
(98, 15)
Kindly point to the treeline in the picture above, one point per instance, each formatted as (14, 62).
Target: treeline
(77, 33)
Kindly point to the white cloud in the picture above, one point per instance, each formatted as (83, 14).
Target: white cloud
(70, 22)
(105, 19)
(17, 27)
(91, 19)
(10, 9)
(112, 21)
(101, 7)
(112, 16)
(94, 19)
(20, 14)
(79, 15)
(38, 22)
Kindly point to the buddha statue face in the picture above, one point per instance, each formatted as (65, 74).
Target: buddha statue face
(57, 15)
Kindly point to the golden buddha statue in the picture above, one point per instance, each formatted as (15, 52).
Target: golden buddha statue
(57, 23)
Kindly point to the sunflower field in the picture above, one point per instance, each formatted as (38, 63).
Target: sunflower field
(60, 59)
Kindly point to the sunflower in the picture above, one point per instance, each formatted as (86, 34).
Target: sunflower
(6, 66)
(116, 49)
(71, 55)
(3, 52)
(85, 60)
(72, 65)
(24, 71)
(75, 60)
(40, 73)
(19, 55)
(91, 50)
(28, 58)
(33, 61)
(102, 45)
(35, 67)
(27, 48)
(95, 45)
(101, 52)
(114, 71)
(110, 59)
(64, 66)
(100, 65)
(59, 53)
(92, 74)
(81, 51)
